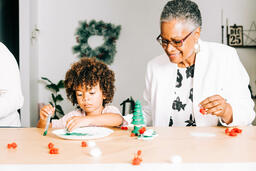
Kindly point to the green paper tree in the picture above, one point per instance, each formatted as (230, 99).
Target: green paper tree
(137, 119)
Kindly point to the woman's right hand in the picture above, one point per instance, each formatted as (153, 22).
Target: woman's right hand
(45, 111)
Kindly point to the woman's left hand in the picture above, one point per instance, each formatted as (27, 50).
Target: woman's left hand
(76, 122)
(217, 105)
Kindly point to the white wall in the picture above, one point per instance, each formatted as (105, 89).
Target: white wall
(28, 61)
(58, 20)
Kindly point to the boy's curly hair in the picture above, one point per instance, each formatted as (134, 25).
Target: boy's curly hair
(89, 72)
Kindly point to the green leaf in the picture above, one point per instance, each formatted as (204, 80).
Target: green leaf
(60, 84)
(59, 109)
(44, 78)
(51, 103)
(53, 87)
(53, 98)
(59, 98)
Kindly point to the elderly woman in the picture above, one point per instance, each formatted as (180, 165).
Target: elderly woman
(195, 83)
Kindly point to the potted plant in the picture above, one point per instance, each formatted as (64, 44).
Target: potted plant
(56, 97)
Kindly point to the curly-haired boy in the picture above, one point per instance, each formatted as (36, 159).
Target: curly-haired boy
(89, 85)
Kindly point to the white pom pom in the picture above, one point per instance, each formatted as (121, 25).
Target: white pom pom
(149, 132)
(95, 152)
(91, 144)
(176, 159)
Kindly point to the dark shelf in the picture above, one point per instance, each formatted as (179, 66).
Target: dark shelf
(244, 46)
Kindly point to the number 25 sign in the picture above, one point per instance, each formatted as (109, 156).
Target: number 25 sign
(235, 37)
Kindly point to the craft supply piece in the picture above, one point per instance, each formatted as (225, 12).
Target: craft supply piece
(137, 158)
(83, 144)
(124, 127)
(142, 130)
(95, 152)
(47, 124)
(91, 144)
(132, 135)
(176, 159)
(203, 111)
(148, 135)
(202, 134)
(54, 151)
(233, 132)
(50, 145)
(12, 145)
(83, 133)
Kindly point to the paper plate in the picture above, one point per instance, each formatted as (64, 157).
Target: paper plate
(83, 133)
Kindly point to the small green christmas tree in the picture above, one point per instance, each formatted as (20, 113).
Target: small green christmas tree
(137, 119)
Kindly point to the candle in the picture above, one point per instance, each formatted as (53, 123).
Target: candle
(222, 17)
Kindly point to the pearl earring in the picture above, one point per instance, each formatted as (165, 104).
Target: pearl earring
(197, 48)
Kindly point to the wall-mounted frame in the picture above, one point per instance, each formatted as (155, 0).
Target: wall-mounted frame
(238, 37)
(250, 36)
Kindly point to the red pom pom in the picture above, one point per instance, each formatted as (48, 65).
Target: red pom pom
(232, 133)
(124, 127)
(51, 151)
(84, 144)
(139, 152)
(14, 145)
(54, 151)
(142, 130)
(50, 145)
(136, 161)
(9, 146)
(132, 134)
(226, 131)
(203, 111)
(237, 130)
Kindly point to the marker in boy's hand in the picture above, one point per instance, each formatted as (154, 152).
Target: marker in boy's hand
(44, 113)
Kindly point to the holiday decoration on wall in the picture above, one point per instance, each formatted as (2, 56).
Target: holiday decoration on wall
(107, 50)
(235, 36)
(250, 36)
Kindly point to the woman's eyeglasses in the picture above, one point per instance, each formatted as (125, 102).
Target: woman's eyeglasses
(173, 42)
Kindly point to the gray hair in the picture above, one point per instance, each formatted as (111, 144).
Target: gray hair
(184, 10)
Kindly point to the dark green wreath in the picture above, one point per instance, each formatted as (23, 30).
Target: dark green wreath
(110, 34)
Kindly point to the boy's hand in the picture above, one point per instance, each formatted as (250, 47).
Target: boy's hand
(45, 111)
(76, 122)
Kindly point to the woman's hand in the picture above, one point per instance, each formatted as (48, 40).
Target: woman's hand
(217, 105)
(76, 122)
